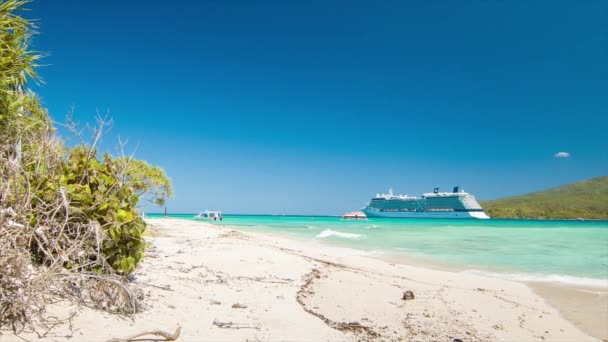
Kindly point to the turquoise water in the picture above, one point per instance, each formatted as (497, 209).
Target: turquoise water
(574, 252)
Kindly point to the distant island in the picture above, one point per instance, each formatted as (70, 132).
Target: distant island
(586, 199)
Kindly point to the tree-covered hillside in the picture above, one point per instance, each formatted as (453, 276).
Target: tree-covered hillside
(587, 199)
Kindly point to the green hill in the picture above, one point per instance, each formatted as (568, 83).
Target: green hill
(587, 199)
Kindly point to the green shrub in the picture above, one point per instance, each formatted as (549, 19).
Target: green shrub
(97, 194)
(68, 222)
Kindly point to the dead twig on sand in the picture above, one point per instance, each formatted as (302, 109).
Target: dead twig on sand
(167, 336)
(306, 290)
(162, 287)
(232, 325)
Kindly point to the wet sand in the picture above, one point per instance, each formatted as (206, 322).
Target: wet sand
(585, 307)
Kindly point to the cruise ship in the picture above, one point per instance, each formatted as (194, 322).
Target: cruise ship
(455, 204)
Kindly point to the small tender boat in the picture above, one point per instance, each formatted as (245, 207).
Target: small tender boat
(354, 215)
(209, 215)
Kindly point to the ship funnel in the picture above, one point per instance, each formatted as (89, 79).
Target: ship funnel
(456, 188)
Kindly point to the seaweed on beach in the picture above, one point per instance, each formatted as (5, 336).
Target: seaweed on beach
(355, 327)
(69, 228)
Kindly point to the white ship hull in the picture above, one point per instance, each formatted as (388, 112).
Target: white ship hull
(455, 204)
(427, 214)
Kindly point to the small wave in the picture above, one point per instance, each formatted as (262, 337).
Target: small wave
(369, 253)
(373, 226)
(543, 278)
(329, 232)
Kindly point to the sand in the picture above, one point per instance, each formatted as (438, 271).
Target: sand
(222, 285)
(587, 308)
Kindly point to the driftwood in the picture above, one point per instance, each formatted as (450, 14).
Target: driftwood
(232, 325)
(167, 336)
(306, 290)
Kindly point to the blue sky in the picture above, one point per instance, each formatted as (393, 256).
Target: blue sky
(311, 107)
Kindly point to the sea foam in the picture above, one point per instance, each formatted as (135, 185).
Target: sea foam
(328, 232)
(544, 278)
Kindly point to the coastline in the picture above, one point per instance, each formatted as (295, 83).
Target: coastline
(217, 283)
(584, 306)
(587, 308)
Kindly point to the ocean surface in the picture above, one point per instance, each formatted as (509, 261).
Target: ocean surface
(569, 252)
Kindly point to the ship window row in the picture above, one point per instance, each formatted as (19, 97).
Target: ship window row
(397, 210)
(427, 209)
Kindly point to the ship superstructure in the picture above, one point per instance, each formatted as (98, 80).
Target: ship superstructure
(455, 204)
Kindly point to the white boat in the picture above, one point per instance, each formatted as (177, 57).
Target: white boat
(209, 215)
(354, 215)
(455, 204)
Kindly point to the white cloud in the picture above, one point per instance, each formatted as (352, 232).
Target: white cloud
(562, 155)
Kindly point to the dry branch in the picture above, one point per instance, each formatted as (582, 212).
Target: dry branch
(232, 325)
(48, 247)
(167, 336)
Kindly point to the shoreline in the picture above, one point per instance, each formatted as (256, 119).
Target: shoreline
(574, 302)
(216, 283)
(585, 306)
(565, 280)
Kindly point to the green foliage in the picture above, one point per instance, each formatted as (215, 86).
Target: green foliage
(18, 109)
(587, 199)
(98, 195)
(146, 180)
(21, 114)
(17, 61)
(60, 191)
(59, 207)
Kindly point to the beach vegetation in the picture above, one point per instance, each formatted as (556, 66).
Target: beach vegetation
(148, 182)
(69, 227)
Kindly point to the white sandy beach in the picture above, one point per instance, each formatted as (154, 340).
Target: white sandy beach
(222, 285)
